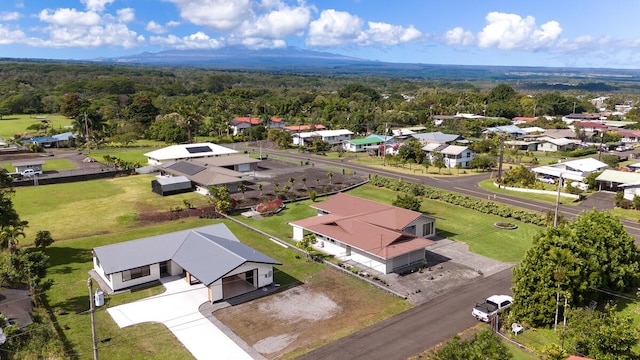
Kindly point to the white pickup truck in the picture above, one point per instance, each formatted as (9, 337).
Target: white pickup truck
(490, 307)
(30, 172)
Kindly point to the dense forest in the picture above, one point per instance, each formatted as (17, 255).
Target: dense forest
(123, 103)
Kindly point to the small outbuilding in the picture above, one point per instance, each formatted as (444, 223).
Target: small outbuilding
(171, 185)
(28, 164)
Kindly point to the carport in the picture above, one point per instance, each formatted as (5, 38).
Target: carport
(239, 284)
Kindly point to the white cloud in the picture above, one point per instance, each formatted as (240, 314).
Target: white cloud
(8, 36)
(70, 17)
(260, 43)
(90, 36)
(156, 28)
(96, 5)
(126, 15)
(387, 34)
(215, 14)
(9, 16)
(458, 36)
(198, 40)
(511, 31)
(277, 24)
(334, 28)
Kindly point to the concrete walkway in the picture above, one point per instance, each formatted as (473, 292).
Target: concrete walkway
(177, 309)
(459, 253)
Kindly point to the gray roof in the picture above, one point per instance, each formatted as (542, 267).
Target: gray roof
(173, 180)
(207, 252)
(28, 162)
(436, 137)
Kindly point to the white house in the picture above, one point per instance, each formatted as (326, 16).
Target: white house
(559, 144)
(451, 154)
(211, 255)
(575, 170)
(185, 152)
(379, 237)
(329, 136)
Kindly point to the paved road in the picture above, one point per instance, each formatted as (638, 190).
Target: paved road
(468, 185)
(417, 329)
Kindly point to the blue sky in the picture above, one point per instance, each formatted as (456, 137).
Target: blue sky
(581, 33)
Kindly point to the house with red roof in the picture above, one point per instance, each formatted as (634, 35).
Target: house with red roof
(238, 124)
(379, 237)
(629, 136)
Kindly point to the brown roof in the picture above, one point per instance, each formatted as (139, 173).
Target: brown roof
(225, 160)
(304, 127)
(367, 225)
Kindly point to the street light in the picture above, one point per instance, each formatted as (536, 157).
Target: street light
(94, 300)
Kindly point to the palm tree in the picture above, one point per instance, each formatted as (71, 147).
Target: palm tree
(561, 258)
(260, 186)
(276, 189)
(330, 175)
(292, 181)
(304, 182)
(242, 188)
(9, 237)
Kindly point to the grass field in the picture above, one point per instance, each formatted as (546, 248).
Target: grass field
(126, 154)
(49, 165)
(18, 124)
(489, 185)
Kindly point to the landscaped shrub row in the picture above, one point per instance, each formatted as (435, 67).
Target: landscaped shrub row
(486, 207)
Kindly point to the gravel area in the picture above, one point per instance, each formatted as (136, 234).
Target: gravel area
(287, 306)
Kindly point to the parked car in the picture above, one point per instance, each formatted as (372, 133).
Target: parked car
(547, 180)
(30, 172)
(580, 185)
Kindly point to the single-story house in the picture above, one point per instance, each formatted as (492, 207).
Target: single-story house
(186, 151)
(581, 117)
(203, 176)
(332, 137)
(629, 136)
(592, 127)
(171, 185)
(521, 145)
(211, 255)
(554, 133)
(518, 120)
(379, 237)
(510, 130)
(559, 144)
(361, 145)
(239, 163)
(28, 164)
(304, 128)
(239, 124)
(436, 137)
(615, 180)
(575, 170)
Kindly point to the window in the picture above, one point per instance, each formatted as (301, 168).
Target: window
(468, 154)
(427, 229)
(136, 273)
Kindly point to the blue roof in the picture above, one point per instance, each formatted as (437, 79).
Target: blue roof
(384, 138)
(509, 129)
(42, 139)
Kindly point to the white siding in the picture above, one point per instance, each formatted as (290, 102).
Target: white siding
(117, 283)
(298, 233)
(339, 250)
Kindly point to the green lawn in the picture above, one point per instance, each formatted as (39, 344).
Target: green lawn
(126, 154)
(489, 185)
(92, 207)
(18, 124)
(49, 165)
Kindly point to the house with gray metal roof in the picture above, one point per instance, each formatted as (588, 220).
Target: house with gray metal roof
(211, 255)
(437, 137)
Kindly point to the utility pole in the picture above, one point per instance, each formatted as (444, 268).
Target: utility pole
(86, 127)
(92, 311)
(600, 149)
(501, 157)
(555, 216)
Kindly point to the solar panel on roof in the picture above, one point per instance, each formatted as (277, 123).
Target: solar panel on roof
(186, 168)
(198, 149)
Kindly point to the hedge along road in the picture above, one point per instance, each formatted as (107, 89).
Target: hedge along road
(466, 185)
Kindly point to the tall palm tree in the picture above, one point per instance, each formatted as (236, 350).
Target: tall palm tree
(9, 237)
(561, 258)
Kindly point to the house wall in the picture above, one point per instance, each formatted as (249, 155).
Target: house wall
(336, 139)
(298, 233)
(215, 291)
(547, 146)
(117, 283)
(339, 251)
(419, 222)
(264, 277)
(413, 258)
(631, 192)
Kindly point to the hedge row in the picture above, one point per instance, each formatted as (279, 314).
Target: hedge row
(486, 207)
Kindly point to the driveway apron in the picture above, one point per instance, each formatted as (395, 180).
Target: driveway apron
(177, 309)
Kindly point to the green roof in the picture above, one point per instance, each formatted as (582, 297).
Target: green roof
(621, 177)
(365, 141)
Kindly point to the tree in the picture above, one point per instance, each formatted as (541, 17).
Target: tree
(142, 110)
(407, 202)
(220, 198)
(292, 181)
(306, 244)
(519, 176)
(43, 239)
(242, 188)
(483, 162)
(260, 187)
(304, 182)
(606, 257)
(485, 345)
(73, 105)
(601, 334)
(330, 176)
(10, 234)
(501, 92)
(438, 160)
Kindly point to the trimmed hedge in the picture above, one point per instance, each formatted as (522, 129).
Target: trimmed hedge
(485, 207)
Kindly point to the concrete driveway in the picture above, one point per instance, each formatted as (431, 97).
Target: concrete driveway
(177, 309)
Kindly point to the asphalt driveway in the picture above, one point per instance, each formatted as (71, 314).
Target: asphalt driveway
(177, 309)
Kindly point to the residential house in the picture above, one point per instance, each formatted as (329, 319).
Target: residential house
(521, 145)
(369, 143)
(518, 120)
(575, 170)
(203, 176)
(304, 128)
(186, 151)
(592, 127)
(561, 144)
(509, 130)
(436, 137)
(451, 154)
(614, 180)
(629, 136)
(211, 255)
(571, 118)
(332, 137)
(239, 124)
(378, 237)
